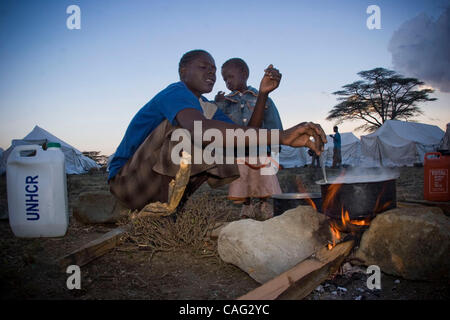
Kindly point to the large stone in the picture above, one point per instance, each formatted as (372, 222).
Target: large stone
(413, 243)
(98, 207)
(268, 248)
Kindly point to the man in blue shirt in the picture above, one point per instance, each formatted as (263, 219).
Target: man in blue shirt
(337, 158)
(142, 168)
(165, 105)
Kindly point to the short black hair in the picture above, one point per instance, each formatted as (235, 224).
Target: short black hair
(239, 63)
(189, 56)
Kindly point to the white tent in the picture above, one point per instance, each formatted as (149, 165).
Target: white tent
(399, 143)
(444, 145)
(76, 162)
(109, 161)
(293, 157)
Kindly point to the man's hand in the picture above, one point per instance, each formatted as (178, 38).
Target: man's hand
(301, 134)
(220, 96)
(270, 81)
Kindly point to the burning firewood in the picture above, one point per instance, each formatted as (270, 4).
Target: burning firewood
(302, 279)
(354, 227)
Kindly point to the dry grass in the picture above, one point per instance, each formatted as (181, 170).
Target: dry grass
(190, 229)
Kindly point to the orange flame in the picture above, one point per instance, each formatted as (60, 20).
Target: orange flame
(311, 203)
(336, 235)
(331, 194)
(345, 217)
(360, 222)
(383, 207)
(346, 221)
(332, 190)
(301, 189)
(378, 207)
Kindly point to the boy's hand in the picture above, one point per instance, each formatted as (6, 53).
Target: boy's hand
(300, 136)
(220, 96)
(270, 81)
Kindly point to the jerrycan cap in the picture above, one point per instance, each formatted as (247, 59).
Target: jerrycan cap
(53, 145)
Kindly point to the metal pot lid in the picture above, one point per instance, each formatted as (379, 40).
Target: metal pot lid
(290, 196)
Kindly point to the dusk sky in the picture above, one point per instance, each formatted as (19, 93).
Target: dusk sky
(85, 85)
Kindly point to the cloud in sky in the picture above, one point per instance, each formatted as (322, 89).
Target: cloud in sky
(421, 48)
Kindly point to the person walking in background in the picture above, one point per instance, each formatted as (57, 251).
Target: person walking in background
(337, 158)
(241, 106)
(315, 162)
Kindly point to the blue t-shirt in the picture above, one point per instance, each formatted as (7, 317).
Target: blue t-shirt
(337, 140)
(165, 105)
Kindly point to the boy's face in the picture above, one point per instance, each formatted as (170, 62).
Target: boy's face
(234, 78)
(199, 75)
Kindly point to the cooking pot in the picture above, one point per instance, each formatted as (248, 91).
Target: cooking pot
(361, 199)
(286, 201)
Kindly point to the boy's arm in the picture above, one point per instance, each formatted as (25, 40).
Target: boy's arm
(272, 118)
(297, 136)
(269, 82)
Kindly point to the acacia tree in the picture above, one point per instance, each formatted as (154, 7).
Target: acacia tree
(382, 95)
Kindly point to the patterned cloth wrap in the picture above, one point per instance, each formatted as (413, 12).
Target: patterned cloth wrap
(146, 177)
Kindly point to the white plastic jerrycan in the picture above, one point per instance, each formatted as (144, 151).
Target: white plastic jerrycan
(37, 191)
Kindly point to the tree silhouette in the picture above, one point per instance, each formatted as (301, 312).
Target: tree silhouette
(382, 95)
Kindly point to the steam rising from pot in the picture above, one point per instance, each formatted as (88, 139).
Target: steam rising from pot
(362, 175)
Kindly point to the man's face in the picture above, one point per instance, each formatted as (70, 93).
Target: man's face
(234, 78)
(200, 74)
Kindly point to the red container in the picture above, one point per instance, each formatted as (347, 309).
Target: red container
(436, 177)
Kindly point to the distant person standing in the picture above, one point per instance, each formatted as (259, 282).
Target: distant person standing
(337, 159)
(315, 158)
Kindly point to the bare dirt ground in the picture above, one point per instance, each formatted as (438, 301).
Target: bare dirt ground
(29, 270)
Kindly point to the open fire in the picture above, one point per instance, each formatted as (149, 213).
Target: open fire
(302, 189)
(346, 223)
(350, 202)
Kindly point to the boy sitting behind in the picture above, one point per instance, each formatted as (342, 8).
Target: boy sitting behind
(239, 106)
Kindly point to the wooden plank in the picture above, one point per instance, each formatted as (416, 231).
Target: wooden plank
(408, 205)
(300, 280)
(110, 240)
(445, 205)
(93, 249)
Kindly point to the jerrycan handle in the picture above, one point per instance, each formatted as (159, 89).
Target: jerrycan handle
(19, 151)
(437, 154)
